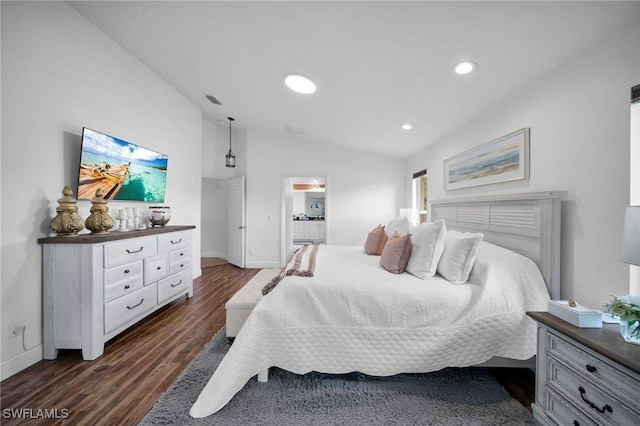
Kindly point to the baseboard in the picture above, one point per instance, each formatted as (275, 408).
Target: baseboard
(22, 361)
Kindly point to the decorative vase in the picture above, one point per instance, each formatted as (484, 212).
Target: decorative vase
(99, 221)
(630, 331)
(67, 222)
(159, 215)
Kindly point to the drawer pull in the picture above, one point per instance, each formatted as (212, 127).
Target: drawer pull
(576, 423)
(607, 407)
(182, 265)
(176, 285)
(138, 304)
(176, 242)
(135, 251)
(127, 287)
(591, 368)
(126, 271)
(158, 268)
(181, 254)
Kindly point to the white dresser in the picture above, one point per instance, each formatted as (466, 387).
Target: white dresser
(96, 286)
(585, 376)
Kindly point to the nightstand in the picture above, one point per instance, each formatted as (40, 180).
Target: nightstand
(585, 376)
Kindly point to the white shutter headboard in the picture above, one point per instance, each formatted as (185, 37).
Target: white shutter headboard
(525, 223)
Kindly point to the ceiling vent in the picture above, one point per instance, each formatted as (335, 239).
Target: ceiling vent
(294, 130)
(213, 100)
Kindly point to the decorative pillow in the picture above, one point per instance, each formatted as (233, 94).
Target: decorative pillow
(400, 225)
(396, 252)
(428, 245)
(375, 241)
(460, 251)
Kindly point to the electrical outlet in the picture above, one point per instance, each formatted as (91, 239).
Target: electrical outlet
(16, 329)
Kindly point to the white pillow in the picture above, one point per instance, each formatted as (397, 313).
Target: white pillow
(400, 225)
(460, 251)
(428, 245)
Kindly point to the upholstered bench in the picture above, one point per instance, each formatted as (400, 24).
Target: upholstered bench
(242, 303)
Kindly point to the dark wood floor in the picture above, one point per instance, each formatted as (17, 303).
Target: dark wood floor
(139, 365)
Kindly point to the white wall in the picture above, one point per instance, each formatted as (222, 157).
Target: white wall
(579, 120)
(363, 190)
(214, 217)
(60, 73)
(215, 144)
(299, 205)
(634, 187)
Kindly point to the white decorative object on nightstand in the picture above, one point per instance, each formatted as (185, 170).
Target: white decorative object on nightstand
(577, 315)
(97, 286)
(585, 376)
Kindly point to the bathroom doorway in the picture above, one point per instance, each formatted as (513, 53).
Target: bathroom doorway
(304, 209)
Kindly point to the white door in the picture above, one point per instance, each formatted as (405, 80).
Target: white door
(236, 221)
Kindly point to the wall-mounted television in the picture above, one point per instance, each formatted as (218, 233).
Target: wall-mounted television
(124, 171)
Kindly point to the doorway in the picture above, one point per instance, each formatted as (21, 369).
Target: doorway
(305, 217)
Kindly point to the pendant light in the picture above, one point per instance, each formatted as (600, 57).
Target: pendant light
(231, 159)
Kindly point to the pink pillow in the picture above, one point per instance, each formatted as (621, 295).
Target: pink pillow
(375, 241)
(396, 253)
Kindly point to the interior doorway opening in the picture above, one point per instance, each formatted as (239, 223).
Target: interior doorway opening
(305, 217)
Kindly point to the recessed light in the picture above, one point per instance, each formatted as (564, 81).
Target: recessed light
(407, 126)
(300, 84)
(465, 67)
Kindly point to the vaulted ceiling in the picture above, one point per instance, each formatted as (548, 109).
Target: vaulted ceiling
(377, 65)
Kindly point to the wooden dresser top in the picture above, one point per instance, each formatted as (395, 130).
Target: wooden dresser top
(112, 236)
(606, 341)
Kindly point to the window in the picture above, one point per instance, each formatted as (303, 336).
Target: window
(420, 194)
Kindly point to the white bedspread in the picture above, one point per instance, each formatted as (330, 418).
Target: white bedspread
(352, 315)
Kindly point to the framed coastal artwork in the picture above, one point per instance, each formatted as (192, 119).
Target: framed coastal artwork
(501, 160)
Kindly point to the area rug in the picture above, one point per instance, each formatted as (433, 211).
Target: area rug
(469, 396)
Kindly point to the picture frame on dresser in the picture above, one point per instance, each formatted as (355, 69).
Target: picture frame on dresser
(97, 286)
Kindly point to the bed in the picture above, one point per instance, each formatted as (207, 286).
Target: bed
(353, 315)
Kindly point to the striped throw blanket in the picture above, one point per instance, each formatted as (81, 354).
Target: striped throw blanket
(302, 264)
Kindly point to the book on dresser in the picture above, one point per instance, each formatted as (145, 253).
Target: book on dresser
(97, 286)
(585, 376)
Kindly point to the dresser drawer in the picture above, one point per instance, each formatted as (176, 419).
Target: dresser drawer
(586, 394)
(179, 255)
(155, 268)
(129, 250)
(114, 291)
(178, 261)
(563, 413)
(173, 285)
(174, 241)
(126, 308)
(595, 370)
(127, 272)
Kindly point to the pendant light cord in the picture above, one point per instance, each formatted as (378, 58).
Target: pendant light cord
(231, 120)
